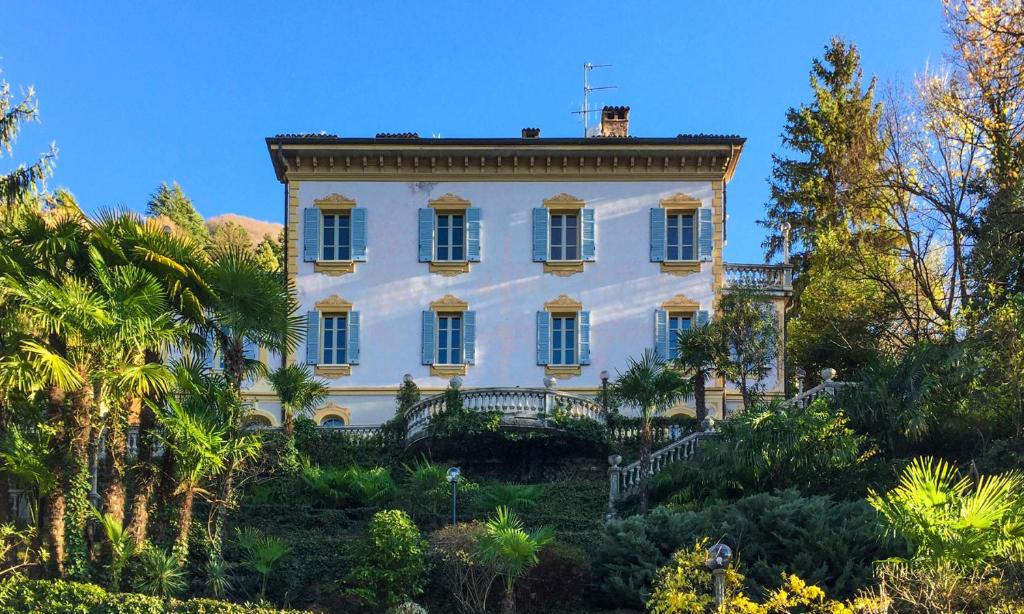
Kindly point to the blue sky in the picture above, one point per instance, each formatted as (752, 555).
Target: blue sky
(143, 92)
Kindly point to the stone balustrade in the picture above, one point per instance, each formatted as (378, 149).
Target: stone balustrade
(625, 481)
(519, 407)
(769, 277)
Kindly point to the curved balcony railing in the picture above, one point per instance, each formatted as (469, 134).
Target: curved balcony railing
(777, 277)
(519, 407)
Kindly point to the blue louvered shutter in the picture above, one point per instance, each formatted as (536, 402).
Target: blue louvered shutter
(702, 318)
(661, 341)
(588, 248)
(352, 349)
(425, 232)
(427, 344)
(469, 337)
(540, 236)
(311, 234)
(658, 217)
(705, 238)
(543, 337)
(473, 234)
(358, 217)
(584, 337)
(312, 337)
(249, 349)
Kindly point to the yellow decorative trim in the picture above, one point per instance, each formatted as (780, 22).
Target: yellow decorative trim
(333, 304)
(335, 202)
(291, 246)
(333, 370)
(449, 201)
(563, 303)
(334, 268)
(449, 268)
(332, 409)
(563, 370)
(564, 201)
(680, 201)
(563, 268)
(680, 302)
(682, 267)
(262, 413)
(447, 370)
(449, 303)
(717, 244)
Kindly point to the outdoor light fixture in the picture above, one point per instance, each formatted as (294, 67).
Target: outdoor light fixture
(455, 382)
(407, 378)
(604, 390)
(801, 375)
(453, 479)
(718, 560)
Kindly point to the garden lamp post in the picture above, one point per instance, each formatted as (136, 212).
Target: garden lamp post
(453, 479)
(604, 390)
(719, 557)
(407, 378)
(801, 375)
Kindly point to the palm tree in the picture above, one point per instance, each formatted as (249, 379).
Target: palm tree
(199, 442)
(948, 519)
(513, 551)
(299, 392)
(698, 348)
(122, 548)
(261, 553)
(159, 574)
(650, 386)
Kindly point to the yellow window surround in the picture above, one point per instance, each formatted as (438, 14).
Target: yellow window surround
(682, 203)
(332, 410)
(334, 203)
(448, 304)
(449, 203)
(333, 305)
(564, 306)
(564, 204)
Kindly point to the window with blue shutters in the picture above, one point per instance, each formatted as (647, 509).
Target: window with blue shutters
(677, 323)
(563, 339)
(335, 340)
(564, 234)
(449, 339)
(564, 242)
(448, 336)
(680, 241)
(448, 235)
(336, 242)
(705, 235)
(334, 234)
(563, 336)
(451, 237)
(332, 338)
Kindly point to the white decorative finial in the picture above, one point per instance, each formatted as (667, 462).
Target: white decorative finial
(550, 382)
(828, 374)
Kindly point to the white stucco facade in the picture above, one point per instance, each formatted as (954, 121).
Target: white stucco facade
(621, 288)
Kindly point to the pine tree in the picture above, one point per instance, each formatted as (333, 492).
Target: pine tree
(170, 201)
(270, 253)
(26, 179)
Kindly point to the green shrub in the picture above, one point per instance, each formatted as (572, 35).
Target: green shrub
(557, 583)
(458, 573)
(829, 543)
(344, 487)
(426, 492)
(390, 566)
(18, 594)
(684, 585)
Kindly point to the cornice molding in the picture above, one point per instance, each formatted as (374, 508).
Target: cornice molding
(333, 303)
(432, 162)
(681, 268)
(449, 268)
(449, 303)
(563, 303)
(563, 268)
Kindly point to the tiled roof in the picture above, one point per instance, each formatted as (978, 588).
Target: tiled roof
(397, 135)
(301, 135)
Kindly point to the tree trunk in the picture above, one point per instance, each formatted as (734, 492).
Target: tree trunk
(53, 507)
(184, 526)
(288, 425)
(117, 451)
(645, 461)
(145, 476)
(508, 601)
(745, 393)
(78, 483)
(699, 398)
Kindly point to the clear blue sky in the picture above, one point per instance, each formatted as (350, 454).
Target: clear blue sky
(143, 92)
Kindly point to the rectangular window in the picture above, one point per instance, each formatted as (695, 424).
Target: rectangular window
(563, 340)
(681, 237)
(676, 323)
(449, 339)
(565, 236)
(335, 338)
(451, 237)
(337, 237)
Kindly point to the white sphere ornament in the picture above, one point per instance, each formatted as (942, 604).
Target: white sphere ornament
(550, 382)
(828, 374)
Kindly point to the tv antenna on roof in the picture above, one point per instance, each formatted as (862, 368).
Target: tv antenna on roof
(587, 88)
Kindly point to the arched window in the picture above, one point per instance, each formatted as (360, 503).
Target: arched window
(332, 422)
(258, 422)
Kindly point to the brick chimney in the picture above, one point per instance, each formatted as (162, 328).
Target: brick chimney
(615, 121)
(531, 133)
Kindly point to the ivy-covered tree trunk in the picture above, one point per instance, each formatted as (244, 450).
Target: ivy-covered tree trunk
(145, 476)
(77, 482)
(117, 451)
(700, 398)
(645, 459)
(184, 525)
(53, 507)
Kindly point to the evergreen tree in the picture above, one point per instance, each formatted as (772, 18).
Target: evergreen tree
(270, 253)
(829, 184)
(229, 236)
(170, 201)
(25, 179)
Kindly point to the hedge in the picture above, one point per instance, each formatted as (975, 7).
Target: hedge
(19, 594)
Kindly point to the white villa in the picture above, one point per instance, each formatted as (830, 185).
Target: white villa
(503, 261)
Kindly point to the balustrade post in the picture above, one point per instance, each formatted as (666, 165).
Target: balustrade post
(614, 482)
